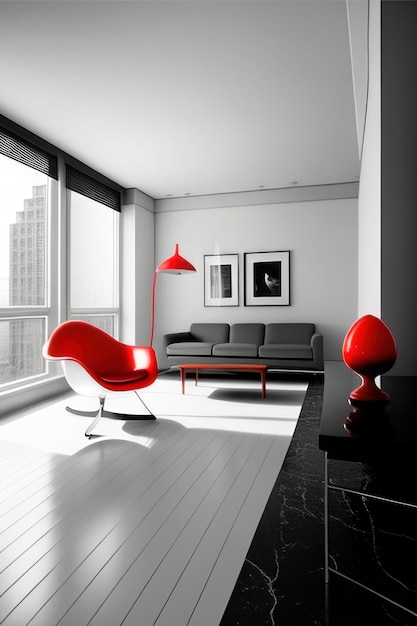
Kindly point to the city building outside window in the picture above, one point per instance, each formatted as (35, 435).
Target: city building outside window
(23, 270)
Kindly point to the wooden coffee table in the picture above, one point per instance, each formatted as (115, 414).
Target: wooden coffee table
(243, 367)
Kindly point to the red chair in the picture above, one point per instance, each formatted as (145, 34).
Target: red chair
(95, 363)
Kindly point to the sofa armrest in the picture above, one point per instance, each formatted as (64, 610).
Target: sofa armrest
(317, 347)
(175, 338)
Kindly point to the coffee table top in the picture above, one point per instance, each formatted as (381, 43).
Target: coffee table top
(223, 366)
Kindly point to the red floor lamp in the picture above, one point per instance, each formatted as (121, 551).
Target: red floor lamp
(175, 264)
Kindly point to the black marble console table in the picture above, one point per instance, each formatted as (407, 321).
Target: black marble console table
(370, 496)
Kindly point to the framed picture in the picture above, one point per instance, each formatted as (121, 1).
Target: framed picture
(267, 278)
(221, 280)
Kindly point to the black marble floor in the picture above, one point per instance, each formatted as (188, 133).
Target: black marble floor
(282, 579)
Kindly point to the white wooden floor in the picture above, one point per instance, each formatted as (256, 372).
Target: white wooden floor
(149, 523)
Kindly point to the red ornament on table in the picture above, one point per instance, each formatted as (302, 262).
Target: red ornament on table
(369, 349)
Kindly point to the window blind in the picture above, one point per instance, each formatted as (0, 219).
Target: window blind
(19, 149)
(92, 188)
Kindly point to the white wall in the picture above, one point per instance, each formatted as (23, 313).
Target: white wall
(137, 265)
(369, 202)
(320, 234)
(357, 14)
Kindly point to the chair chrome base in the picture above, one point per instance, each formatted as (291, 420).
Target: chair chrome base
(112, 414)
(102, 413)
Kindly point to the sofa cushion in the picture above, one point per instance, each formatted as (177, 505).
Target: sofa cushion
(289, 332)
(210, 332)
(190, 348)
(286, 351)
(235, 349)
(247, 333)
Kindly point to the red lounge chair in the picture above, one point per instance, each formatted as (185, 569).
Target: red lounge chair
(95, 363)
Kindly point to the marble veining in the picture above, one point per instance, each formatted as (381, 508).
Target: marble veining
(374, 543)
(289, 539)
(282, 578)
(270, 583)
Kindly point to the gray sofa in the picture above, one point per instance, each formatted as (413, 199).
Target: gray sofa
(286, 345)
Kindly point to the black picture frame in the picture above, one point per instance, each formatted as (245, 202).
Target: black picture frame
(267, 278)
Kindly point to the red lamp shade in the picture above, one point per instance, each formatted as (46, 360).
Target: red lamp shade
(369, 349)
(176, 264)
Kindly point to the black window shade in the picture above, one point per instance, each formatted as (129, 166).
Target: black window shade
(93, 189)
(27, 153)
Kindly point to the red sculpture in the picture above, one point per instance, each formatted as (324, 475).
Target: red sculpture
(369, 349)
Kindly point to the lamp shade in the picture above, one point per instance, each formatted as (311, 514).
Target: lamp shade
(176, 264)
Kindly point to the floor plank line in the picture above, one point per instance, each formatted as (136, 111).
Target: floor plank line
(94, 509)
(75, 577)
(230, 557)
(19, 463)
(148, 537)
(199, 541)
(25, 482)
(32, 525)
(192, 580)
(75, 513)
(44, 583)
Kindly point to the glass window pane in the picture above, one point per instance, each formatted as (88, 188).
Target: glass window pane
(105, 322)
(23, 217)
(21, 341)
(94, 235)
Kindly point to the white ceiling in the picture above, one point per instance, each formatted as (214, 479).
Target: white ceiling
(194, 97)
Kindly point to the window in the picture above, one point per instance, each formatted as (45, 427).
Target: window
(40, 286)
(21, 341)
(23, 270)
(94, 280)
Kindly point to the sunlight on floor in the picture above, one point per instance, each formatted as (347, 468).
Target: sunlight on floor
(243, 425)
(220, 404)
